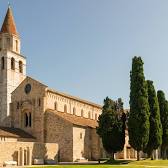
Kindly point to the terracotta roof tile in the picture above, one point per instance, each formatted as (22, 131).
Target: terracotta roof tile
(76, 120)
(14, 133)
(9, 24)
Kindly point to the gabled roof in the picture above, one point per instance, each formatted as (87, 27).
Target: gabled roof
(76, 120)
(8, 25)
(62, 94)
(14, 133)
(27, 79)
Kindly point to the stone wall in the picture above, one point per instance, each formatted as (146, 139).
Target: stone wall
(81, 143)
(86, 143)
(96, 145)
(33, 103)
(9, 150)
(57, 130)
(9, 81)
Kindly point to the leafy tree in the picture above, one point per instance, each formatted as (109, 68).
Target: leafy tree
(138, 122)
(155, 134)
(163, 104)
(111, 127)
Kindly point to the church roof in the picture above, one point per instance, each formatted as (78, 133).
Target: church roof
(8, 25)
(76, 120)
(11, 132)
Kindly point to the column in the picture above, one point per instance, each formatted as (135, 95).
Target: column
(22, 156)
(18, 163)
(25, 156)
(125, 152)
(29, 156)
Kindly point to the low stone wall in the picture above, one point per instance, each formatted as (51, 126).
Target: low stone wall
(25, 152)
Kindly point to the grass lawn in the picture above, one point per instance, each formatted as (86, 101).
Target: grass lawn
(119, 164)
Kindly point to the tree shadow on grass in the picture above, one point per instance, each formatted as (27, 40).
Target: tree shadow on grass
(117, 162)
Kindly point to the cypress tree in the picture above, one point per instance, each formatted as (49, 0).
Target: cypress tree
(155, 134)
(110, 129)
(163, 104)
(138, 122)
(122, 121)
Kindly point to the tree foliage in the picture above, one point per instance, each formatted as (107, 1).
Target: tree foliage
(112, 126)
(155, 133)
(163, 105)
(138, 122)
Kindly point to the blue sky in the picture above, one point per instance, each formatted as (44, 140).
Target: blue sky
(85, 47)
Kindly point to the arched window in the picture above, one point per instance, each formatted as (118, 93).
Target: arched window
(30, 120)
(18, 105)
(16, 46)
(12, 63)
(82, 113)
(65, 108)
(20, 67)
(55, 106)
(26, 120)
(2, 63)
(8, 43)
(39, 102)
(89, 116)
(74, 111)
(95, 116)
(81, 135)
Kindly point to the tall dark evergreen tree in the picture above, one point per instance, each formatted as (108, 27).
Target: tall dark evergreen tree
(163, 104)
(111, 127)
(155, 134)
(138, 122)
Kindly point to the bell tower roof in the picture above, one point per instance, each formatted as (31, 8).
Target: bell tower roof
(8, 25)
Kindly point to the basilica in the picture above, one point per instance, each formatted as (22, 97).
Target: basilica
(39, 124)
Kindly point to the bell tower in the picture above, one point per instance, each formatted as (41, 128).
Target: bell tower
(12, 65)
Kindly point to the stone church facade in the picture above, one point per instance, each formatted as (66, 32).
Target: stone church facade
(37, 122)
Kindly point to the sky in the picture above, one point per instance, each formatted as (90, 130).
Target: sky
(85, 47)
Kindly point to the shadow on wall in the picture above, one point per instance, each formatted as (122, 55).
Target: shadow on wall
(87, 144)
(58, 130)
(15, 156)
(40, 152)
(7, 122)
(92, 145)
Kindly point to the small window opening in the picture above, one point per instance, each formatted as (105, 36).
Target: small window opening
(95, 116)
(80, 135)
(55, 106)
(17, 105)
(20, 67)
(39, 102)
(89, 116)
(26, 120)
(2, 63)
(12, 63)
(74, 111)
(16, 46)
(30, 120)
(81, 113)
(8, 43)
(65, 108)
